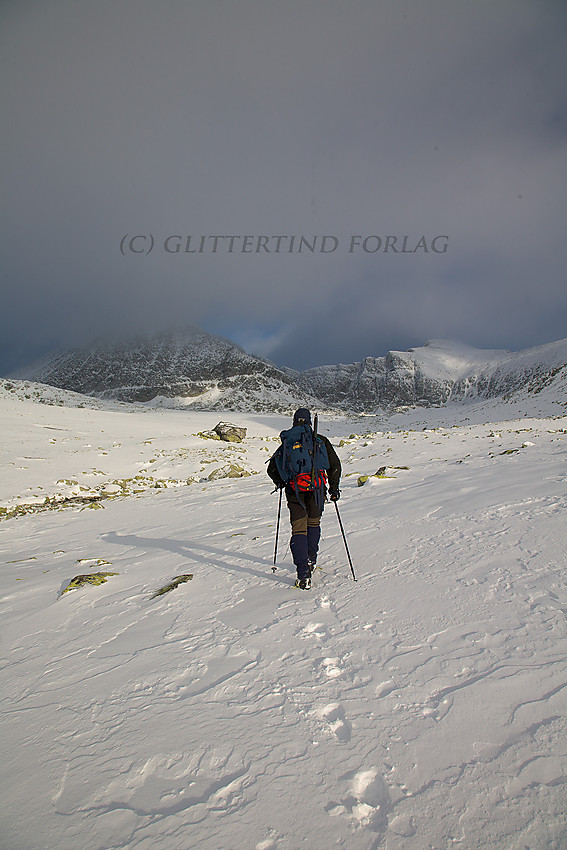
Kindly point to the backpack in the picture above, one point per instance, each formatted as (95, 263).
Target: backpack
(302, 460)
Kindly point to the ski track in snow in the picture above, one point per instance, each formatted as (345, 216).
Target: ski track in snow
(421, 707)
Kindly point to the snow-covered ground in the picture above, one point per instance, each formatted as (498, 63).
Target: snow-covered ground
(423, 706)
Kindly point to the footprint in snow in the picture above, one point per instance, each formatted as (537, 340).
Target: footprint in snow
(367, 801)
(318, 630)
(333, 714)
(331, 668)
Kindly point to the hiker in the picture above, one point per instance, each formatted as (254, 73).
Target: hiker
(303, 449)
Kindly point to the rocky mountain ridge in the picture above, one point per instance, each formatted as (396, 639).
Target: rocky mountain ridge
(435, 374)
(211, 372)
(206, 370)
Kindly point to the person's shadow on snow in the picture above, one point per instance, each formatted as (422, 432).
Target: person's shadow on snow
(198, 552)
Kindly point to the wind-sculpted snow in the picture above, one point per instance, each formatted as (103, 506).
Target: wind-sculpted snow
(423, 706)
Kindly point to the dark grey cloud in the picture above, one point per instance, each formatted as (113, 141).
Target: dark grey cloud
(296, 118)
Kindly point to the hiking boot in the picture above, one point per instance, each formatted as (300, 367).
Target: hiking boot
(303, 583)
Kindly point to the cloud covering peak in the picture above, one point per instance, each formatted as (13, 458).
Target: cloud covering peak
(133, 123)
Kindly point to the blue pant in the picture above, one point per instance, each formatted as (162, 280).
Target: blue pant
(305, 531)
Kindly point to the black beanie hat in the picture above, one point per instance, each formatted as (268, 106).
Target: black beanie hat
(302, 415)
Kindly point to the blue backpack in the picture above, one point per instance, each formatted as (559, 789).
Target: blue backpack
(302, 461)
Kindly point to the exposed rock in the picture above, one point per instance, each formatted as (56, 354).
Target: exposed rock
(172, 584)
(231, 470)
(89, 578)
(208, 435)
(230, 433)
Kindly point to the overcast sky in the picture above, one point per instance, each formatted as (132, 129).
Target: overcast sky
(127, 125)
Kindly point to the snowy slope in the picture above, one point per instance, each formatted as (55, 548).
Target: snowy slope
(423, 706)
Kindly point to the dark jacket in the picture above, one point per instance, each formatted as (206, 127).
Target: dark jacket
(333, 472)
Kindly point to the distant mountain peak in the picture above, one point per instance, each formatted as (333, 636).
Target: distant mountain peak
(435, 373)
(193, 365)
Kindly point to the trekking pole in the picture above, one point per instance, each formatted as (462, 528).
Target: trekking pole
(344, 538)
(274, 568)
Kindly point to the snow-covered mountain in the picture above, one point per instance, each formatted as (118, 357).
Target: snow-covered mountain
(206, 370)
(436, 373)
(211, 372)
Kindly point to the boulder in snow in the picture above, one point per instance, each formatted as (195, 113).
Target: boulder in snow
(230, 433)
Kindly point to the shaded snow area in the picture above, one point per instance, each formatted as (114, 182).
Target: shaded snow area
(423, 706)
